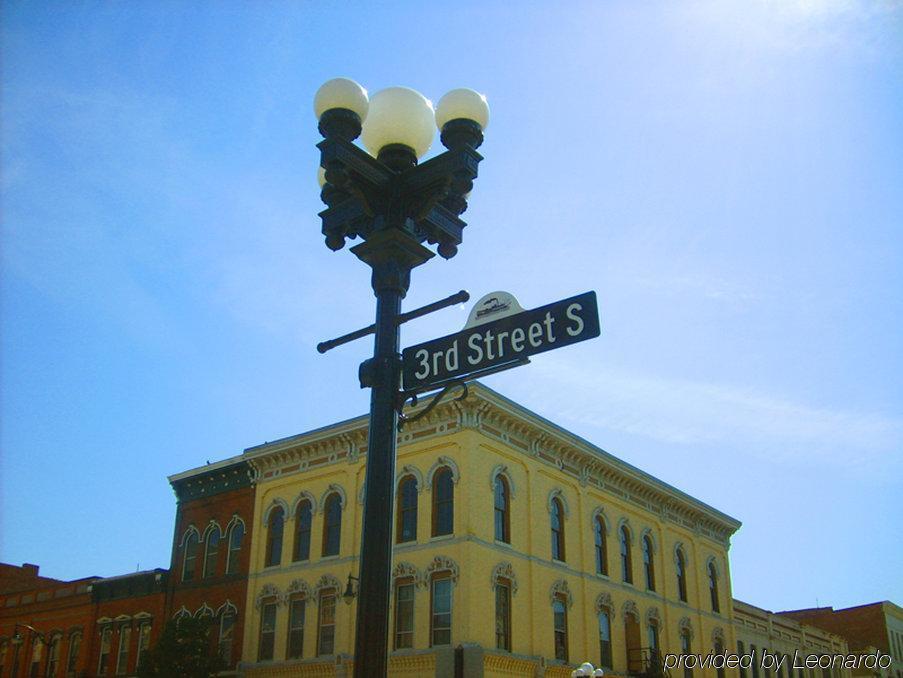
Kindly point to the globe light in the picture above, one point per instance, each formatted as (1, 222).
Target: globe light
(399, 115)
(341, 93)
(587, 668)
(462, 103)
(598, 673)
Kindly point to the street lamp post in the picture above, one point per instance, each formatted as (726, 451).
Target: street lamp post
(397, 208)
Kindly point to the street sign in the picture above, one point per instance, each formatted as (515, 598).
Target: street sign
(491, 338)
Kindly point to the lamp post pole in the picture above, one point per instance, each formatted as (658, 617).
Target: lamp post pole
(395, 206)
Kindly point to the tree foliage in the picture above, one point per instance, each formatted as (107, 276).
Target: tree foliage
(183, 650)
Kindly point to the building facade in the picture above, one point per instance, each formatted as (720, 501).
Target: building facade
(522, 544)
(779, 645)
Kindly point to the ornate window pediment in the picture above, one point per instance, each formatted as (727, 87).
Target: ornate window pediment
(304, 495)
(333, 487)
(504, 570)
(502, 470)
(653, 615)
(204, 611)
(559, 495)
(441, 564)
(410, 470)
(299, 588)
(685, 626)
(277, 502)
(628, 610)
(226, 608)
(327, 581)
(441, 462)
(604, 603)
(267, 591)
(405, 569)
(561, 589)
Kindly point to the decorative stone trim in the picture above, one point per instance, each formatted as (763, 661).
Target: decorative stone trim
(267, 591)
(188, 530)
(599, 512)
(439, 463)
(327, 581)
(210, 527)
(405, 569)
(717, 636)
(226, 608)
(560, 588)
(204, 611)
(440, 564)
(298, 587)
(604, 603)
(679, 547)
(685, 626)
(333, 488)
(181, 613)
(559, 495)
(236, 520)
(504, 570)
(628, 610)
(304, 495)
(712, 560)
(141, 616)
(502, 470)
(647, 532)
(652, 615)
(409, 470)
(625, 522)
(272, 505)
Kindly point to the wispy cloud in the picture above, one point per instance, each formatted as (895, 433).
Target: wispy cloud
(685, 412)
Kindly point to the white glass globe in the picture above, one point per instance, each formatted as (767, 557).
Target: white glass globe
(341, 93)
(399, 115)
(598, 673)
(321, 177)
(587, 668)
(462, 103)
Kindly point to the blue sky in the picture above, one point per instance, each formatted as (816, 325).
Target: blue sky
(726, 176)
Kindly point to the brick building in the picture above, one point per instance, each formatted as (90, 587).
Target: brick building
(866, 628)
(211, 549)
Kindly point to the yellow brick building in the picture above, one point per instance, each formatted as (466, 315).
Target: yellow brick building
(519, 548)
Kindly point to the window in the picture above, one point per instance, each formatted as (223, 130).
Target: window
(236, 534)
(122, 657)
(144, 631)
(601, 548)
(53, 657)
(37, 648)
(685, 650)
(648, 563)
(275, 525)
(212, 552)
(191, 556)
(440, 611)
(406, 529)
(557, 524)
(326, 623)
(755, 661)
(106, 637)
(604, 640)
(502, 510)
(626, 563)
(765, 669)
(303, 520)
(560, 624)
(719, 649)
(332, 527)
(503, 615)
(226, 634)
(740, 652)
(404, 614)
(713, 587)
(681, 575)
(652, 640)
(267, 631)
(75, 645)
(443, 502)
(296, 611)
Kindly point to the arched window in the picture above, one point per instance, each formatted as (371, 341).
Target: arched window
(502, 510)
(719, 649)
(681, 574)
(443, 502)
(604, 639)
(503, 614)
(557, 523)
(75, 644)
(191, 556)
(303, 520)
(211, 552)
(713, 587)
(648, 563)
(406, 513)
(275, 528)
(106, 639)
(236, 534)
(626, 561)
(226, 635)
(53, 655)
(332, 525)
(685, 650)
(560, 624)
(601, 548)
(652, 640)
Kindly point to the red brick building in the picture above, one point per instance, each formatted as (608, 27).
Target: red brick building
(211, 550)
(876, 626)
